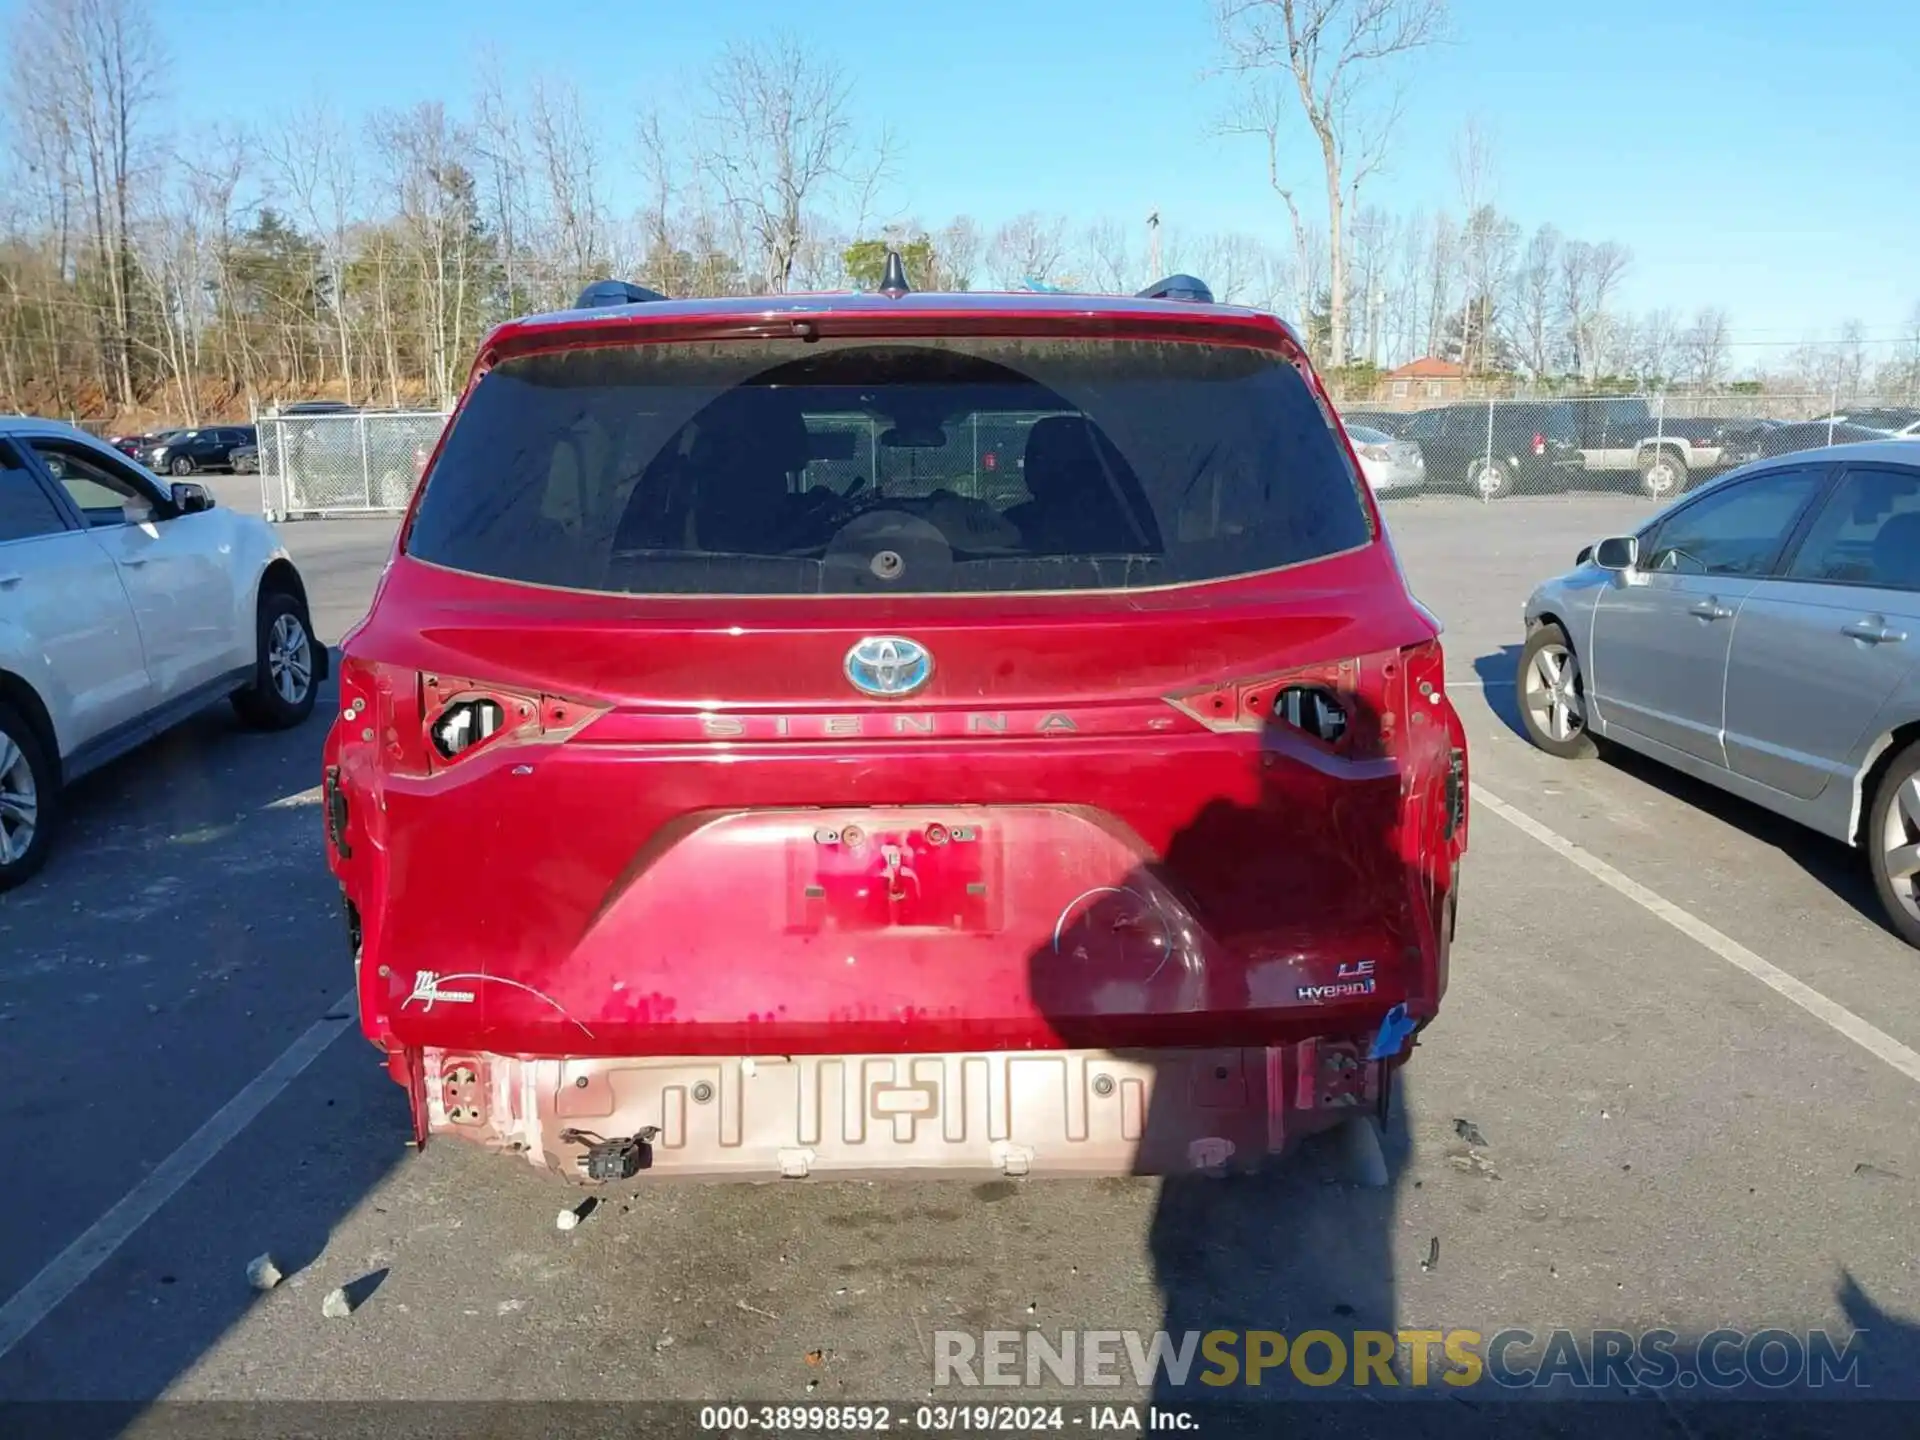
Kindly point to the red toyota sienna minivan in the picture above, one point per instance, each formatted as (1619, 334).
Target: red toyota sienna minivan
(894, 733)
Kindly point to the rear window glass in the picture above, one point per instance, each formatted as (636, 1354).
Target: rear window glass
(932, 467)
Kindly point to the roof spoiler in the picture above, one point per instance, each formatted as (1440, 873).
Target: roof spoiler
(602, 293)
(1177, 287)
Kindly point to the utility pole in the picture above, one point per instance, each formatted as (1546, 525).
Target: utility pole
(1153, 244)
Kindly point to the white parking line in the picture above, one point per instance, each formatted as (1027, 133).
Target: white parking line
(1871, 1038)
(69, 1270)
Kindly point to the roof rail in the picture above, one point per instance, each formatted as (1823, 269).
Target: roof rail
(614, 292)
(1177, 287)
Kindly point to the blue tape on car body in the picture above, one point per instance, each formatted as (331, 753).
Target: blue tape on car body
(1395, 1026)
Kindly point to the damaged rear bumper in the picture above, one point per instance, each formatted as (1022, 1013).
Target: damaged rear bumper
(1061, 1113)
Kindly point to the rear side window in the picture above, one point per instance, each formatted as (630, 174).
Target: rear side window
(1867, 533)
(26, 510)
(1426, 425)
(938, 466)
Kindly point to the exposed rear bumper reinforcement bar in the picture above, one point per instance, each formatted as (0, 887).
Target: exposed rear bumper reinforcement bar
(1066, 1113)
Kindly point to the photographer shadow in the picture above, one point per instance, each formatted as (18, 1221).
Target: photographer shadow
(1269, 1218)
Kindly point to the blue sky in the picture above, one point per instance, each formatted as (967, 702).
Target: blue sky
(1763, 155)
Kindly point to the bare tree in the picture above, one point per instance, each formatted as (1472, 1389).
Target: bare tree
(870, 178)
(1474, 179)
(1406, 294)
(780, 135)
(660, 166)
(108, 63)
(314, 170)
(1263, 112)
(1372, 232)
(318, 253)
(170, 258)
(1576, 305)
(1029, 247)
(1330, 53)
(1659, 346)
(1235, 268)
(500, 150)
(218, 172)
(44, 148)
(1106, 261)
(956, 253)
(1608, 268)
(1274, 280)
(1442, 245)
(427, 157)
(182, 247)
(1534, 305)
(821, 261)
(569, 169)
(1704, 347)
(1851, 358)
(1589, 277)
(1912, 359)
(1310, 282)
(1488, 240)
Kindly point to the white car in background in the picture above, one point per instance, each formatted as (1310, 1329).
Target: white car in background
(1388, 463)
(1896, 422)
(125, 606)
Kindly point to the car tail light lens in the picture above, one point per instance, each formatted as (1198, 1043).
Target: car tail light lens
(1539, 444)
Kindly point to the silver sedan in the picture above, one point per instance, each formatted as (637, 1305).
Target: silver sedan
(1762, 635)
(1391, 466)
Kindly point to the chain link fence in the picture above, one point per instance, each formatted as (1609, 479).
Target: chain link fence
(1657, 447)
(980, 458)
(1653, 446)
(315, 466)
(354, 462)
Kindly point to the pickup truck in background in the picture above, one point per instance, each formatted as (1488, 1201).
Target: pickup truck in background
(1623, 435)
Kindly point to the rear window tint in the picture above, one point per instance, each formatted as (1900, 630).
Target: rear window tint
(936, 466)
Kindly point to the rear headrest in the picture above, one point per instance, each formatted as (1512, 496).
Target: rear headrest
(1063, 461)
(1896, 550)
(1875, 493)
(757, 428)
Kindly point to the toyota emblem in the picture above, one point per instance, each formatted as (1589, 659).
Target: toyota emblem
(888, 665)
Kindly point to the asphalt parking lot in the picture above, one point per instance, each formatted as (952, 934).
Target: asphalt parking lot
(1666, 1135)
